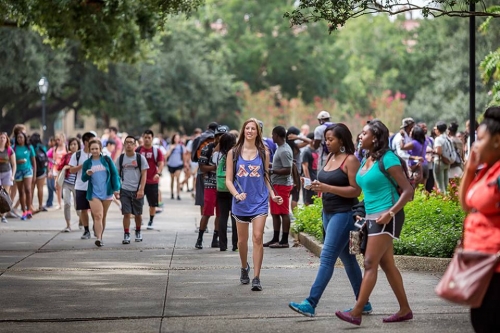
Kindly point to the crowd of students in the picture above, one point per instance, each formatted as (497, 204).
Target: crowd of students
(244, 176)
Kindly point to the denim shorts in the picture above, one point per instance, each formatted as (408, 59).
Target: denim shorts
(22, 174)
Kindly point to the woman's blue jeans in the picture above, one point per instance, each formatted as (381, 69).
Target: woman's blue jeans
(336, 245)
(51, 186)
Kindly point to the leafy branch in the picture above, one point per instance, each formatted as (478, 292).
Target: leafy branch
(337, 13)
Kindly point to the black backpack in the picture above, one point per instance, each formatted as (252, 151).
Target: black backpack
(41, 158)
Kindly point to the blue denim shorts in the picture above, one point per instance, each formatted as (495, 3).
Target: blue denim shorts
(22, 174)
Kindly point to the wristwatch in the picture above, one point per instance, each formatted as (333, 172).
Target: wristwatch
(391, 213)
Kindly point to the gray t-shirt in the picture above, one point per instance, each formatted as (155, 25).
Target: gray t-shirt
(283, 158)
(131, 174)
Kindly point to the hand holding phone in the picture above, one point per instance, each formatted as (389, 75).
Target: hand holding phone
(307, 183)
(359, 223)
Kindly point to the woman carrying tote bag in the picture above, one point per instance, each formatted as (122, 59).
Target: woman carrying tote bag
(480, 195)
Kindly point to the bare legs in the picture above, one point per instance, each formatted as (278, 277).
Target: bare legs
(99, 211)
(380, 251)
(258, 249)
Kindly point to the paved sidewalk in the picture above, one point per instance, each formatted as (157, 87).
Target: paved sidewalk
(56, 282)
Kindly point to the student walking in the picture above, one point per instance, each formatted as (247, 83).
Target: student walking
(76, 164)
(249, 184)
(25, 173)
(175, 163)
(103, 182)
(384, 218)
(155, 160)
(224, 198)
(132, 168)
(68, 188)
(337, 183)
(7, 166)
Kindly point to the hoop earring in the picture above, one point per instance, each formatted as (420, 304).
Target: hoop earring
(342, 149)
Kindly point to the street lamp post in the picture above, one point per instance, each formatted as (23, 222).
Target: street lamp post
(43, 87)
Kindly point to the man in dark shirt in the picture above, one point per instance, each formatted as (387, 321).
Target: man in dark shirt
(310, 159)
(208, 166)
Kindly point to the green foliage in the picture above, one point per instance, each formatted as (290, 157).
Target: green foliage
(490, 66)
(117, 30)
(337, 13)
(433, 224)
(309, 220)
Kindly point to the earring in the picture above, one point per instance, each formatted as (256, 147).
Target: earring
(342, 149)
(373, 141)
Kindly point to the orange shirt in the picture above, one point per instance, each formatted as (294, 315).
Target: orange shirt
(482, 227)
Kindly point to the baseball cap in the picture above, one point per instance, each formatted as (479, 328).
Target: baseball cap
(323, 115)
(407, 122)
(221, 129)
(156, 142)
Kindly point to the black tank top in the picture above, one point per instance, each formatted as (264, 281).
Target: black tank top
(333, 203)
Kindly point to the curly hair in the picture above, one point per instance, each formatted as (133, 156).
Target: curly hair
(492, 120)
(381, 135)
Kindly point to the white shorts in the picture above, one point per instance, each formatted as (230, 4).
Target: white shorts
(6, 178)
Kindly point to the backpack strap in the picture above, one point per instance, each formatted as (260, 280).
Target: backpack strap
(78, 155)
(384, 171)
(120, 165)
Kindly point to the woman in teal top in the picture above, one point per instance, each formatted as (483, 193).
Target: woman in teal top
(384, 218)
(26, 169)
(100, 172)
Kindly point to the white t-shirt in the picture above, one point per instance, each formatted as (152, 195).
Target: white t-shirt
(79, 184)
(319, 134)
(396, 145)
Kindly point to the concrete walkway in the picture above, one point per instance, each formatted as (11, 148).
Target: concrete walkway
(56, 282)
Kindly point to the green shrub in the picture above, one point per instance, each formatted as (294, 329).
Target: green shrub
(433, 224)
(308, 219)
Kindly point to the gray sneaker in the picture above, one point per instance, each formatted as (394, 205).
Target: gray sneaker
(126, 238)
(138, 236)
(86, 235)
(150, 225)
(244, 278)
(256, 284)
(4, 220)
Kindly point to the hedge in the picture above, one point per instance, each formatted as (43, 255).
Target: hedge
(433, 224)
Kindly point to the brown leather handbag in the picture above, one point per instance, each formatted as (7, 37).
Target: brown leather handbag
(467, 277)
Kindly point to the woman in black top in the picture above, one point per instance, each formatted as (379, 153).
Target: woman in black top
(337, 182)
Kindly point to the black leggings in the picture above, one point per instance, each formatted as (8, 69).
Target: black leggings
(486, 319)
(224, 201)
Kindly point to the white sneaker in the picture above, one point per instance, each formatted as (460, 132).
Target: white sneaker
(4, 220)
(67, 229)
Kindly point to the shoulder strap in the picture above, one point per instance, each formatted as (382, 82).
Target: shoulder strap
(120, 164)
(78, 155)
(345, 159)
(384, 171)
(155, 154)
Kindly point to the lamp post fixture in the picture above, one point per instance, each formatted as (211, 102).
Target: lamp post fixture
(43, 87)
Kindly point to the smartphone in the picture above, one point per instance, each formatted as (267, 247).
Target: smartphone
(307, 183)
(359, 223)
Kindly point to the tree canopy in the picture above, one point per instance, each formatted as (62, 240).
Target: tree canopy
(116, 30)
(337, 13)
